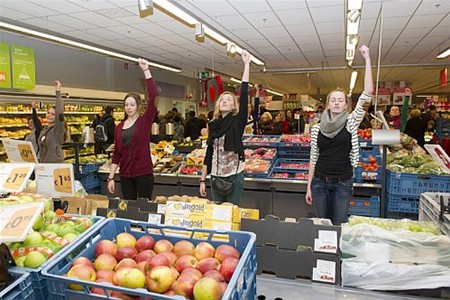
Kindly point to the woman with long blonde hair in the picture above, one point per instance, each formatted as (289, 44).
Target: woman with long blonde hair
(224, 158)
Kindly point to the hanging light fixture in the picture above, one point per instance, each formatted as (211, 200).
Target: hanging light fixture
(145, 8)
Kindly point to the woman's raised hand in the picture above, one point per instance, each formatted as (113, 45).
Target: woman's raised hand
(57, 85)
(364, 50)
(143, 64)
(245, 56)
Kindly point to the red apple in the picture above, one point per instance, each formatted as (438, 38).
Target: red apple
(184, 285)
(105, 247)
(169, 293)
(224, 251)
(170, 256)
(185, 261)
(204, 250)
(125, 252)
(183, 248)
(125, 239)
(144, 255)
(208, 288)
(228, 266)
(81, 272)
(105, 262)
(141, 266)
(145, 242)
(126, 263)
(224, 286)
(197, 274)
(105, 275)
(214, 274)
(162, 245)
(158, 260)
(130, 278)
(83, 261)
(100, 291)
(160, 279)
(207, 264)
(175, 272)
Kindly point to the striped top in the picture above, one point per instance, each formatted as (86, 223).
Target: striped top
(353, 121)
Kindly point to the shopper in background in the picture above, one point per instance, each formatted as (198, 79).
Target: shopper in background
(414, 127)
(256, 108)
(429, 115)
(393, 120)
(193, 126)
(250, 121)
(52, 137)
(277, 125)
(224, 158)
(265, 123)
(178, 128)
(290, 124)
(335, 151)
(110, 127)
(98, 147)
(35, 126)
(132, 144)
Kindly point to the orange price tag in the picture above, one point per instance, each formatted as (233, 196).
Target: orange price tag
(16, 178)
(62, 180)
(18, 222)
(26, 153)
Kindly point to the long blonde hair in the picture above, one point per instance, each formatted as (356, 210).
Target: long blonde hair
(217, 114)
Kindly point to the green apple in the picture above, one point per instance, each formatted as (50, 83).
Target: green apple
(65, 229)
(49, 215)
(34, 259)
(15, 245)
(69, 222)
(48, 243)
(71, 236)
(39, 223)
(53, 228)
(19, 261)
(82, 224)
(27, 198)
(48, 204)
(33, 239)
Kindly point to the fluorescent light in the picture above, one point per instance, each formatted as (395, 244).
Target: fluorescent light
(354, 4)
(353, 15)
(256, 60)
(353, 80)
(177, 12)
(444, 53)
(199, 33)
(235, 80)
(352, 27)
(273, 92)
(81, 45)
(216, 36)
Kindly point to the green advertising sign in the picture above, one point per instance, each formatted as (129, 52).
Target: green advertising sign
(5, 66)
(23, 66)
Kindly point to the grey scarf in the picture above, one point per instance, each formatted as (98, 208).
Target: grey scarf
(331, 126)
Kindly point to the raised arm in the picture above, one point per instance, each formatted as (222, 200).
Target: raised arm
(59, 113)
(243, 99)
(152, 91)
(37, 123)
(368, 80)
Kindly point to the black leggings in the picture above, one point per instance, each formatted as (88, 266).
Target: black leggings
(141, 186)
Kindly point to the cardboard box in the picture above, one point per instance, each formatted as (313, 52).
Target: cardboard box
(291, 236)
(211, 212)
(199, 222)
(77, 205)
(246, 213)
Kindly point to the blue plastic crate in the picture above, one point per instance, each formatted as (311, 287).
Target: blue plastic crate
(298, 154)
(402, 203)
(271, 159)
(277, 166)
(443, 127)
(95, 190)
(90, 181)
(365, 152)
(263, 141)
(39, 282)
(364, 142)
(20, 289)
(368, 176)
(408, 184)
(369, 207)
(291, 174)
(87, 168)
(291, 146)
(241, 286)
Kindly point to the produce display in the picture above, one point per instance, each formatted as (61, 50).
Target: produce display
(169, 164)
(184, 198)
(365, 134)
(287, 175)
(293, 165)
(403, 161)
(256, 166)
(394, 224)
(261, 140)
(190, 170)
(261, 153)
(197, 272)
(296, 138)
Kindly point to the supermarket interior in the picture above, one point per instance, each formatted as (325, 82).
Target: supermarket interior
(218, 149)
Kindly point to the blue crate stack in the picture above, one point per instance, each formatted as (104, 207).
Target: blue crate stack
(89, 177)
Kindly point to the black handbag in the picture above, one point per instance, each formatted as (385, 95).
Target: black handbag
(221, 184)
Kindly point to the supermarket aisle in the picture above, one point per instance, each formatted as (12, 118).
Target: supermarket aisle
(282, 289)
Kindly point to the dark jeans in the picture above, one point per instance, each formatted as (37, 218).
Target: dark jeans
(134, 187)
(238, 188)
(331, 198)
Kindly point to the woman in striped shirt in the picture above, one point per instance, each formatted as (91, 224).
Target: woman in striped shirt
(335, 151)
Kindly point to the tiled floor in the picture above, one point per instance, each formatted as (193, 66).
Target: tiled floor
(272, 288)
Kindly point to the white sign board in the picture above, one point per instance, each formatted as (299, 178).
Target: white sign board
(440, 156)
(55, 180)
(19, 151)
(17, 220)
(14, 176)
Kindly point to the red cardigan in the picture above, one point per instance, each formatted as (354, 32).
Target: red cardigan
(134, 159)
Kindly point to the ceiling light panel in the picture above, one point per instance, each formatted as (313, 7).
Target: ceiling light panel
(330, 27)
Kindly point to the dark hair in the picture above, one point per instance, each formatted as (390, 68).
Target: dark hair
(210, 115)
(109, 109)
(432, 107)
(176, 118)
(175, 109)
(192, 114)
(135, 96)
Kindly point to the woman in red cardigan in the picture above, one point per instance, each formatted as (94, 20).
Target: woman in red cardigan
(132, 144)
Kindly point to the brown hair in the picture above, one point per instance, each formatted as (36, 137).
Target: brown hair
(415, 113)
(136, 97)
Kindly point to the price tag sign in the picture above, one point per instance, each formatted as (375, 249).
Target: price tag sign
(17, 220)
(55, 180)
(14, 176)
(169, 149)
(19, 151)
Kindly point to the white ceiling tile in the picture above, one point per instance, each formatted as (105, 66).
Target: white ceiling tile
(25, 6)
(245, 6)
(337, 39)
(130, 32)
(439, 7)
(440, 31)
(368, 25)
(75, 23)
(395, 23)
(130, 42)
(15, 14)
(261, 20)
(414, 32)
(116, 13)
(153, 41)
(247, 34)
(64, 7)
(273, 32)
(175, 39)
(105, 33)
(400, 8)
(423, 21)
(266, 50)
(301, 30)
(95, 18)
(156, 30)
(323, 3)
(331, 27)
(259, 43)
(48, 25)
(233, 21)
(294, 16)
(283, 42)
(214, 8)
(83, 35)
(328, 14)
(280, 5)
(308, 40)
(175, 26)
(93, 5)
(370, 10)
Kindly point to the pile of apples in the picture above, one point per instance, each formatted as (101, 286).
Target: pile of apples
(196, 272)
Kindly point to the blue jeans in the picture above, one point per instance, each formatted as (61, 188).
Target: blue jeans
(331, 198)
(238, 188)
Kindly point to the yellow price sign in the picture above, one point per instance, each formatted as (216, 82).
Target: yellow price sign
(62, 179)
(26, 153)
(16, 178)
(18, 222)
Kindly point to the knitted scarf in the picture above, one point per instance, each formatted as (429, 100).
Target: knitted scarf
(331, 126)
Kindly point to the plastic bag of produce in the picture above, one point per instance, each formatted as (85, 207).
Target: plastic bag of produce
(79, 189)
(397, 241)
(388, 276)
